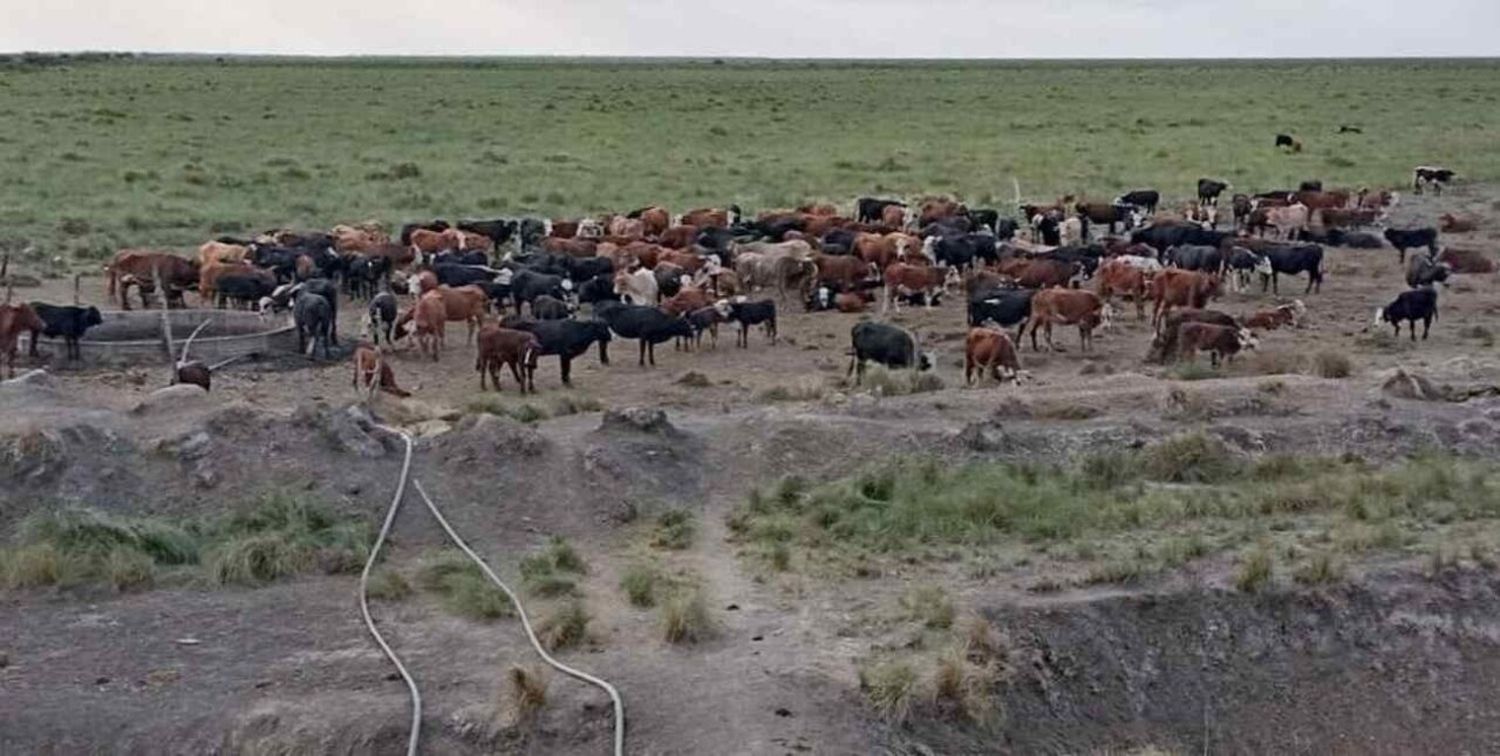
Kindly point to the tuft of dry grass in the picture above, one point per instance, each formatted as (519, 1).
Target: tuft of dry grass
(1321, 569)
(527, 691)
(685, 618)
(930, 605)
(639, 585)
(1333, 365)
(1255, 571)
(891, 689)
(565, 627)
(387, 584)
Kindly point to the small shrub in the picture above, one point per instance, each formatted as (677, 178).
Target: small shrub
(1333, 365)
(552, 571)
(1121, 571)
(569, 405)
(883, 382)
(1321, 569)
(1192, 458)
(127, 569)
(528, 413)
(528, 691)
(565, 627)
(1254, 572)
(674, 530)
(462, 588)
(32, 566)
(685, 618)
(639, 585)
(965, 686)
(780, 557)
(982, 642)
(891, 689)
(387, 585)
(694, 379)
(257, 558)
(929, 605)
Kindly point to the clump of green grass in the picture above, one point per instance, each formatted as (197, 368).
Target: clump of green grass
(284, 535)
(462, 588)
(968, 687)
(1255, 571)
(127, 569)
(1191, 458)
(802, 391)
(685, 618)
(522, 413)
(891, 689)
(639, 584)
(674, 530)
(566, 627)
(1118, 571)
(554, 570)
(1192, 371)
(930, 605)
(1322, 568)
(387, 584)
(1333, 365)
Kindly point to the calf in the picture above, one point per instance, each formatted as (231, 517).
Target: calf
(1276, 317)
(547, 307)
(371, 371)
(428, 319)
(1209, 191)
(706, 319)
(314, 318)
(1068, 307)
(886, 345)
(502, 346)
(1218, 341)
(1449, 223)
(762, 313)
(69, 322)
(1241, 263)
(1164, 342)
(16, 319)
(1121, 277)
(1424, 176)
(1406, 238)
(1145, 199)
(985, 351)
(1410, 305)
(380, 317)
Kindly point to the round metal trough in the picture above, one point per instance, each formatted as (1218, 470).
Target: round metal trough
(134, 337)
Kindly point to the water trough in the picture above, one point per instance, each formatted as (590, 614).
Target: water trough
(134, 337)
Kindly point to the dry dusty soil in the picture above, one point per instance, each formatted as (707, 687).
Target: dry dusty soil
(1389, 660)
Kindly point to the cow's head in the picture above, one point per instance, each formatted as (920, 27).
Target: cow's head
(91, 317)
(1246, 339)
(1263, 266)
(1379, 316)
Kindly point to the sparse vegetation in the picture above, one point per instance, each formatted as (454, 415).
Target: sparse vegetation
(891, 689)
(1192, 371)
(806, 390)
(1322, 568)
(527, 691)
(461, 587)
(685, 618)
(387, 584)
(567, 626)
(1333, 365)
(930, 605)
(883, 382)
(674, 530)
(553, 571)
(1254, 571)
(639, 584)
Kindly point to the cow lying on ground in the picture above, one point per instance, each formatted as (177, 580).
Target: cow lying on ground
(1277, 317)
(1220, 342)
(502, 346)
(68, 321)
(372, 370)
(1466, 260)
(1410, 305)
(1449, 223)
(1164, 343)
(986, 352)
(886, 345)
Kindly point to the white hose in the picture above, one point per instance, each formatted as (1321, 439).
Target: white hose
(614, 695)
(364, 602)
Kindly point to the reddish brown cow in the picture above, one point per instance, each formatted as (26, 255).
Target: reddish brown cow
(429, 319)
(986, 350)
(372, 371)
(1270, 320)
(686, 300)
(645, 253)
(818, 208)
(430, 242)
(1118, 277)
(705, 217)
(851, 301)
(626, 228)
(400, 255)
(139, 268)
(503, 346)
(933, 210)
(689, 262)
(1181, 288)
(1039, 273)
(465, 304)
(1466, 260)
(570, 247)
(1067, 307)
(1449, 223)
(564, 229)
(842, 271)
(16, 319)
(1341, 217)
(1336, 198)
(212, 252)
(678, 237)
(1219, 341)
(893, 216)
(209, 275)
(352, 239)
(902, 280)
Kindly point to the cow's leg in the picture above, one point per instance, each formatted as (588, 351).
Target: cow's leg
(641, 343)
(1413, 322)
(517, 373)
(566, 366)
(1426, 326)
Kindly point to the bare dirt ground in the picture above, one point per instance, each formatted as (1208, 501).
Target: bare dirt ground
(1386, 663)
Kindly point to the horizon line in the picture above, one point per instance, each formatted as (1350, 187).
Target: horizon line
(720, 58)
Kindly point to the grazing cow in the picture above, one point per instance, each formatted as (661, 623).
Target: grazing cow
(1410, 305)
(986, 350)
(314, 319)
(1003, 307)
(1425, 271)
(68, 321)
(1291, 260)
(502, 346)
(1406, 238)
(902, 280)
(1181, 288)
(1277, 317)
(1466, 260)
(567, 339)
(1424, 176)
(16, 319)
(648, 325)
(1144, 199)
(245, 290)
(428, 319)
(1209, 191)
(1284, 140)
(1218, 341)
(140, 267)
(1068, 307)
(746, 313)
(465, 304)
(380, 317)
(884, 344)
(1449, 223)
(1243, 263)
(372, 371)
(1289, 222)
(637, 287)
(407, 229)
(1164, 342)
(547, 307)
(1118, 276)
(526, 285)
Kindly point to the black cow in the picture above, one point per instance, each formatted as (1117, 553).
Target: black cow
(1145, 199)
(67, 321)
(716, 240)
(648, 325)
(1241, 263)
(1427, 175)
(838, 241)
(550, 308)
(1406, 238)
(526, 285)
(1293, 259)
(1426, 271)
(314, 319)
(959, 251)
(1046, 227)
(1196, 257)
(984, 218)
(1006, 228)
(1358, 240)
(282, 296)
(598, 289)
(884, 344)
(365, 274)
(1004, 307)
(1410, 305)
(406, 229)
(567, 339)
(1166, 237)
(869, 209)
(530, 232)
(244, 290)
(1314, 185)
(1285, 140)
(498, 231)
(455, 257)
(1209, 191)
(580, 269)
(454, 274)
(281, 261)
(747, 314)
(380, 316)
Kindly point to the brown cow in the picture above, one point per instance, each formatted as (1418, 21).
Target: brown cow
(1276, 317)
(465, 303)
(570, 247)
(1068, 307)
(645, 254)
(1164, 342)
(842, 271)
(563, 228)
(678, 237)
(903, 280)
(503, 346)
(893, 216)
(478, 242)
(429, 319)
(656, 220)
(986, 350)
(1181, 288)
(372, 371)
(432, 242)
(1040, 272)
(16, 319)
(1289, 221)
(1218, 340)
(851, 301)
(686, 300)
(1341, 217)
(1120, 277)
(626, 228)
(933, 210)
(353, 239)
(1466, 260)
(209, 275)
(1376, 200)
(219, 252)
(705, 217)
(818, 208)
(1334, 198)
(1449, 223)
(139, 268)
(688, 261)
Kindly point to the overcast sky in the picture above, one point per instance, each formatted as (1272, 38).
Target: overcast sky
(769, 28)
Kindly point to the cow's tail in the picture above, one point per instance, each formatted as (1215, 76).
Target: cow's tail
(110, 276)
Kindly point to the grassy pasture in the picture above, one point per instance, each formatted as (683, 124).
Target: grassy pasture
(166, 152)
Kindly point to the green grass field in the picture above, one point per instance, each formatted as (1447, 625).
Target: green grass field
(159, 152)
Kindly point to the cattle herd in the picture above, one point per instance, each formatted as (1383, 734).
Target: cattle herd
(531, 288)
